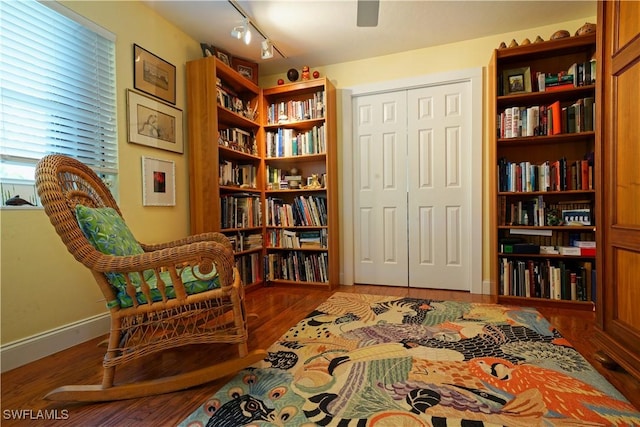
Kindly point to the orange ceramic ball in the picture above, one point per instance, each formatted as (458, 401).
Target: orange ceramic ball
(316, 74)
(280, 81)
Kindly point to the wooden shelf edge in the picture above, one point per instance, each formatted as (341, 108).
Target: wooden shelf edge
(546, 302)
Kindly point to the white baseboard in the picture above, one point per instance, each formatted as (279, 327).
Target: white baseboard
(36, 347)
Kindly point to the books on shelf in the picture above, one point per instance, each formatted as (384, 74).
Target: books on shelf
(289, 142)
(303, 211)
(550, 279)
(297, 266)
(236, 174)
(240, 210)
(297, 110)
(291, 239)
(544, 120)
(555, 175)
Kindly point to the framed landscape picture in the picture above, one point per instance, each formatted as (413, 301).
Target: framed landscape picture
(153, 75)
(153, 123)
(246, 69)
(517, 80)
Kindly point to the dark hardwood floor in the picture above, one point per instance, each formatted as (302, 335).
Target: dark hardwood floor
(278, 308)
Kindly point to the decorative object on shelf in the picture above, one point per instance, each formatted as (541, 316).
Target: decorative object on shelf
(538, 39)
(153, 123)
(292, 74)
(316, 74)
(246, 68)
(223, 56)
(207, 50)
(587, 28)
(154, 75)
(280, 82)
(525, 42)
(560, 34)
(313, 182)
(517, 80)
(503, 45)
(17, 201)
(158, 182)
(513, 43)
(306, 75)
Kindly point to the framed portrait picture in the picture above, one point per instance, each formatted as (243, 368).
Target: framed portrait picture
(517, 80)
(223, 56)
(158, 182)
(154, 123)
(153, 75)
(207, 50)
(246, 69)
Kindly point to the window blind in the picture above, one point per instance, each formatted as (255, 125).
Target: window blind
(57, 88)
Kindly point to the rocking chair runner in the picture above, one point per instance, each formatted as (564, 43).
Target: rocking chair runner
(160, 296)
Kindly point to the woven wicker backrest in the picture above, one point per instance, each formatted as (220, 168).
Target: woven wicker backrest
(62, 183)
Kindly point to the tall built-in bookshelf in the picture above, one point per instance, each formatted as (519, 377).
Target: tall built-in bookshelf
(301, 208)
(263, 171)
(225, 161)
(543, 244)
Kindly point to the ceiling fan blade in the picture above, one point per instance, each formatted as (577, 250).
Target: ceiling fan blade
(368, 13)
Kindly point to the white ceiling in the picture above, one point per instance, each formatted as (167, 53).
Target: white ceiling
(323, 32)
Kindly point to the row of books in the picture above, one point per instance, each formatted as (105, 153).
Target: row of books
(248, 266)
(304, 211)
(542, 120)
(297, 266)
(536, 212)
(296, 110)
(559, 280)
(238, 140)
(308, 239)
(289, 142)
(557, 175)
(236, 174)
(507, 247)
(240, 211)
(578, 74)
(245, 241)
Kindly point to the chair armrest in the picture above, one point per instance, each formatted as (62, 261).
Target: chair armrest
(204, 255)
(202, 237)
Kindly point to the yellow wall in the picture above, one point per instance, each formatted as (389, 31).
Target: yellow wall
(42, 287)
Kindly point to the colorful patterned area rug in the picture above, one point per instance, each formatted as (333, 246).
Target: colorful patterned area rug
(369, 360)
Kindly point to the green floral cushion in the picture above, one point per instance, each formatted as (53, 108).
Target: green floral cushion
(108, 233)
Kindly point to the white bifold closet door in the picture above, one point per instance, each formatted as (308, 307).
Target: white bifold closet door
(412, 178)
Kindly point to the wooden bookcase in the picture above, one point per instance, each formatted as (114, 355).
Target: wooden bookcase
(225, 161)
(301, 238)
(527, 202)
(235, 182)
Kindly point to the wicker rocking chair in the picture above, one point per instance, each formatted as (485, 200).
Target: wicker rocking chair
(160, 296)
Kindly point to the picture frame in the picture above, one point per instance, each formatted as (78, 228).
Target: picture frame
(207, 50)
(223, 56)
(158, 182)
(154, 123)
(153, 75)
(516, 80)
(246, 69)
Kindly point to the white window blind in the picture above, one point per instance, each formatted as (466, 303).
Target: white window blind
(57, 88)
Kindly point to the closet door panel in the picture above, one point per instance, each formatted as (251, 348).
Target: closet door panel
(381, 190)
(438, 181)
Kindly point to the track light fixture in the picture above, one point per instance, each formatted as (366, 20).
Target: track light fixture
(243, 32)
(266, 51)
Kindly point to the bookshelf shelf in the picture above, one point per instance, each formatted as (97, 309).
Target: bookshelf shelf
(543, 146)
